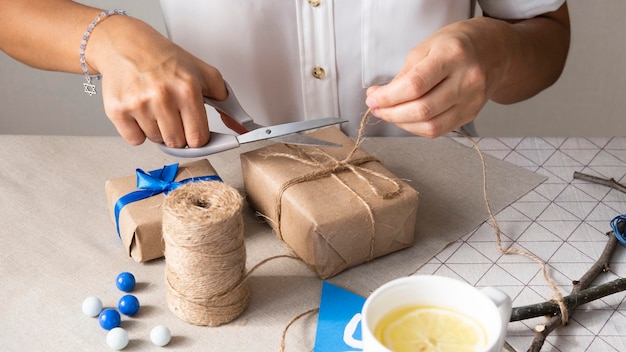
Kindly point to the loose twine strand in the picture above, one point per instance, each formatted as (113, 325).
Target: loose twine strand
(558, 296)
(344, 164)
(205, 252)
(511, 250)
(204, 247)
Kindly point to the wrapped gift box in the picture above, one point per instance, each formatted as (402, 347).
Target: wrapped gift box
(139, 222)
(333, 214)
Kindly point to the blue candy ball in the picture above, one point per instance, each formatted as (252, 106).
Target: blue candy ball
(109, 319)
(125, 281)
(128, 305)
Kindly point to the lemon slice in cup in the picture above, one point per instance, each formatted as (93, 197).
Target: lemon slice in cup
(430, 329)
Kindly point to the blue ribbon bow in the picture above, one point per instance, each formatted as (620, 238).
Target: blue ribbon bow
(153, 183)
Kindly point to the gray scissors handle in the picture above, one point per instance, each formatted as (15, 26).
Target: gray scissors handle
(235, 118)
(231, 107)
(218, 142)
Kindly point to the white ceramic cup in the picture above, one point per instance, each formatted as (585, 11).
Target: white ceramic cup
(489, 306)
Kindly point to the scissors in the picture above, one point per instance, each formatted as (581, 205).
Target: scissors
(235, 118)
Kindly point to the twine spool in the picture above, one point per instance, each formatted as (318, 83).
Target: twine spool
(205, 253)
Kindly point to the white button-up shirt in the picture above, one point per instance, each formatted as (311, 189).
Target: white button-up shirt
(289, 60)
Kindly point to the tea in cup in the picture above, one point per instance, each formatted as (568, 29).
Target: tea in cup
(434, 313)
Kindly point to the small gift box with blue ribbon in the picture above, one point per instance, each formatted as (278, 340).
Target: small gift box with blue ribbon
(135, 204)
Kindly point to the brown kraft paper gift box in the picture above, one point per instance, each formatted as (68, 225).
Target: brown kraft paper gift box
(332, 220)
(140, 222)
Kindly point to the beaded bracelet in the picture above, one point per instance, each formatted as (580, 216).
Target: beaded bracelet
(90, 88)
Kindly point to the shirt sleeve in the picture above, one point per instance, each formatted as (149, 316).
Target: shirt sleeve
(518, 9)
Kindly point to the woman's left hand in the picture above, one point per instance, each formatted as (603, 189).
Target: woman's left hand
(447, 79)
(443, 85)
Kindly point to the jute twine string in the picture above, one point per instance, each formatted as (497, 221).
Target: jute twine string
(204, 248)
(205, 253)
(326, 165)
(558, 296)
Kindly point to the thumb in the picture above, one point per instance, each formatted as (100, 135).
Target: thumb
(213, 85)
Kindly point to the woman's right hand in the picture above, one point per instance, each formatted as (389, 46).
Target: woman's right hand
(151, 87)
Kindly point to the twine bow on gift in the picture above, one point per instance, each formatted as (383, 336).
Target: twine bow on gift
(155, 182)
(327, 165)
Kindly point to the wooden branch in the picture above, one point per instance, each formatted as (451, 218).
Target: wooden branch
(610, 182)
(572, 301)
(579, 289)
(580, 286)
(601, 265)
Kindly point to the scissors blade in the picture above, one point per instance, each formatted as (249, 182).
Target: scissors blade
(303, 139)
(271, 132)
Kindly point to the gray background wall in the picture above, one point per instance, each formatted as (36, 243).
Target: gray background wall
(588, 100)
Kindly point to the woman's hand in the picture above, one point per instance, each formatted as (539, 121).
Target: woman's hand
(447, 79)
(151, 87)
(443, 85)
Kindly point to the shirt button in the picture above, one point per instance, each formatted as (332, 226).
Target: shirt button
(318, 72)
(315, 3)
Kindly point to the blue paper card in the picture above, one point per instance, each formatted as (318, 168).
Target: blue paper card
(339, 320)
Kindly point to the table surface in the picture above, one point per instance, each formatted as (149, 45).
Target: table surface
(563, 221)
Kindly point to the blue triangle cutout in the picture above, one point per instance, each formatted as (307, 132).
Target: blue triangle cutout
(339, 320)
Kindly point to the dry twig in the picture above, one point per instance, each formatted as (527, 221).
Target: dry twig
(580, 293)
(550, 308)
(610, 182)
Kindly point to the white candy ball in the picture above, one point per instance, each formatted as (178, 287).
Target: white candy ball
(92, 306)
(117, 338)
(160, 335)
